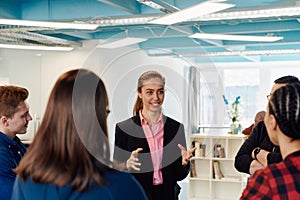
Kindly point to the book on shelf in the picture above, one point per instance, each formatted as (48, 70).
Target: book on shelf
(217, 173)
(219, 151)
(192, 146)
(200, 149)
(193, 169)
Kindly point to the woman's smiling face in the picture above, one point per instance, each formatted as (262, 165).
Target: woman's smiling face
(152, 94)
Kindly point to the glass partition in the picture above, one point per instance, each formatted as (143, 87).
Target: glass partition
(23, 68)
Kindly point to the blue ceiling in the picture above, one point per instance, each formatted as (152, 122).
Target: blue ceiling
(162, 40)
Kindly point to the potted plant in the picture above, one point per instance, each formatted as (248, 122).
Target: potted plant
(234, 114)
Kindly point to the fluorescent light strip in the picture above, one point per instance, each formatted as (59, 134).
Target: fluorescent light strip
(192, 12)
(58, 25)
(230, 53)
(211, 36)
(122, 21)
(252, 14)
(45, 48)
(121, 42)
(254, 52)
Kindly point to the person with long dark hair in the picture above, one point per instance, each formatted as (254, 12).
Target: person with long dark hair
(69, 157)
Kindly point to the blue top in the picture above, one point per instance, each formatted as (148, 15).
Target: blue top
(122, 186)
(11, 152)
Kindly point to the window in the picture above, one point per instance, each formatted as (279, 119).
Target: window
(243, 83)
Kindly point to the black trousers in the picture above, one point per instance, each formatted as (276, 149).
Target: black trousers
(158, 192)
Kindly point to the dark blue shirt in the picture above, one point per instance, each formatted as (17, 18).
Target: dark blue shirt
(120, 185)
(11, 152)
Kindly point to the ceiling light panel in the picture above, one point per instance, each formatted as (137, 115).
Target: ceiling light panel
(56, 25)
(229, 53)
(28, 47)
(127, 41)
(192, 12)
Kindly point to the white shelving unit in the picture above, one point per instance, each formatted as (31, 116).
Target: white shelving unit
(204, 185)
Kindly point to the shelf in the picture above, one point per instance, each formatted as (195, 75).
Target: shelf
(217, 135)
(199, 190)
(219, 151)
(229, 179)
(197, 198)
(200, 158)
(221, 190)
(199, 179)
(222, 159)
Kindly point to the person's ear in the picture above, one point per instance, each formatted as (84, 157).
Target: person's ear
(4, 120)
(273, 122)
(140, 95)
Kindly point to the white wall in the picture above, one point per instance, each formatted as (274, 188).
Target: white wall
(22, 68)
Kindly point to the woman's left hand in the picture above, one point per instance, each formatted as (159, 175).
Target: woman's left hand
(186, 154)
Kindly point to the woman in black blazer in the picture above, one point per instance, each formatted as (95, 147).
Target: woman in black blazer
(151, 145)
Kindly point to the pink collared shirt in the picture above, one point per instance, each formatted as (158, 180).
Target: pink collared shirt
(155, 138)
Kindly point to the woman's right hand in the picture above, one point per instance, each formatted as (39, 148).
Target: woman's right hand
(133, 161)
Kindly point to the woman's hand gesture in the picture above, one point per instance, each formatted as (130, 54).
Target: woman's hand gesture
(186, 154)
(133, 161)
